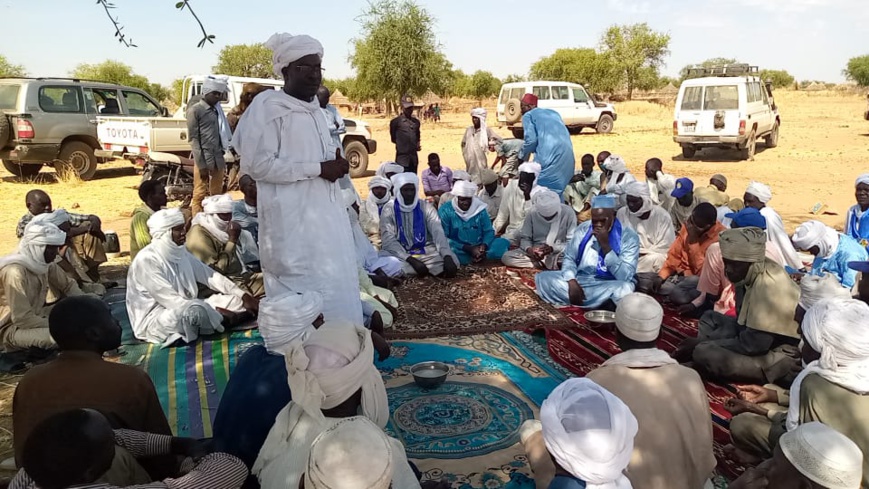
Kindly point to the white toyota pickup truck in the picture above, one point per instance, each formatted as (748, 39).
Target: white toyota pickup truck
(128, 137)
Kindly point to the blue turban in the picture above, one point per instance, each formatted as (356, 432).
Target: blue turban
(747, 218)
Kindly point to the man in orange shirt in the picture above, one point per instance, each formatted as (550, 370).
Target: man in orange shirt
(681, 271)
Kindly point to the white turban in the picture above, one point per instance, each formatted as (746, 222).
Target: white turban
(546, 202)
(615, 164)
(461, 175)
(483, 138)
(316, 386)
(379, 181)
(163, 221)
(388, 167)
(759, 190)
(464, 189)
(590, 433)
(530, 167)
(57, 218)
(31, 248)
(639, 317)
(334, 461)
(287, 48)
(824, 456)
(215, 83)
(400, 180)
(814, 288)
(218, 204)
(209, 219)
(288, 317)
(640, 190)
(836, 329)
(864, 178)
(816, 233)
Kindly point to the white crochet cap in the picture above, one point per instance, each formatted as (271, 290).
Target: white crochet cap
(824, 456)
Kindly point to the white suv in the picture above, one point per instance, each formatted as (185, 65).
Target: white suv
(729, 107)
(571, 101)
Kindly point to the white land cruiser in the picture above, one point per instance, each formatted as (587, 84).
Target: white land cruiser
(571, 101)
(727, 107)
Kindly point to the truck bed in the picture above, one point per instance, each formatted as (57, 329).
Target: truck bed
(142, 134)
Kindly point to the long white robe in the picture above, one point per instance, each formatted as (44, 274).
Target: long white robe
(617, 188)
(661, 188)
(656, 236)
(304, 235)
(775, 232)
(159, 292)
(538, 231)
(512, 212)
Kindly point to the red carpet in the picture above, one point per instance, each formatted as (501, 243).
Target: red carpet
(584, 348)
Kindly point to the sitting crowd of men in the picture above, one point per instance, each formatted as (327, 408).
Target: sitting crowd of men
(300, 409)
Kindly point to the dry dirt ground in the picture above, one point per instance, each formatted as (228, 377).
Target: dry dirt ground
(824, 146)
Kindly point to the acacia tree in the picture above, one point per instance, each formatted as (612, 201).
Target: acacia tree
(112, 71)
(9, 69)
(483, 85)
(637, 52)
(399, 53)
(779, 78)
(858, 70)
(596, 71)
(250, 60)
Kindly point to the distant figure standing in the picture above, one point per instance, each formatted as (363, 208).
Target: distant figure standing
(546, 136)
(476, 143)
(209, 135)
(336, 129)
(404, 131)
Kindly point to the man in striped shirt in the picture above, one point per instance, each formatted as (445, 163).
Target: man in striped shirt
(75, 448)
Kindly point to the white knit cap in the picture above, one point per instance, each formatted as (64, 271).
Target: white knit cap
(639, 317)
(335, 463)
(825, 456)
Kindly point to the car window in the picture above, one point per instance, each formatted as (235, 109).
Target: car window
(765, 95)
(560, 93)
(9, 96)
(505, 95)
(692, 98)
(102, 101)
(722, 97)
(141, 106)
(60, 99)
(541, 92)
(517, 93)
(579, 96)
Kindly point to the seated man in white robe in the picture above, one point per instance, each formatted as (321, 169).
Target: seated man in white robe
(379, 193)
(652, 224)
(332, 378)
(458, 176)
(25, 278)
(547, 230)
(600, 262)
(163, 288)
(757, 195)
(411, 230)
(516, 203)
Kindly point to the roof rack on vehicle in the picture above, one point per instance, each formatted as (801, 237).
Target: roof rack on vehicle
(76, 80)
(725, 70)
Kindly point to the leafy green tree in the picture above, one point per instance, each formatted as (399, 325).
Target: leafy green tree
(112, 71)
(250, 60)
(177, 91)
(779, 78)
(858, 70)
(637, 53)
(399, 53)
(595, 71)
(8, 69)
(514, 78)
(709, 63)
(483, 85)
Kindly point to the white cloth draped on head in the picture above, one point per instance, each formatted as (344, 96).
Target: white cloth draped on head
(219, 83)
(615, 164)
(464, 189)
(814, 288)
(31, 248)
(759, 190)
(400, 180)
(529, 167)
(208, 219)
(590, 433)
(388, 167)
(288, 317)
(461, 175)
(640, 190)
(160, 226)
(825, 456)
(379, 181)
(215, 83)
(373, 202)
(836, 329)
(816, 233)
(483, 139)
(287, 48)
(316, 386)
(546, 203)
(334, 461)
(864, 178)
(467, 190)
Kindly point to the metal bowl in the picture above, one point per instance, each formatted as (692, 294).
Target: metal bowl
(430, 375)
(600, 317)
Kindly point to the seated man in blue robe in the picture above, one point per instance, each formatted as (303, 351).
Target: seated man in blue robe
(468, 227)
(599, 262)
(832, 251)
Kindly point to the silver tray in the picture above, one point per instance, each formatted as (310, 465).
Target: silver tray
(600, 317)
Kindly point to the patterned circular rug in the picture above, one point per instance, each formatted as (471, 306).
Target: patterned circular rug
(456, 420)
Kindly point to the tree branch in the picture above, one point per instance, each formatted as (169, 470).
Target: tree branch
(122, 38)
(206, 37)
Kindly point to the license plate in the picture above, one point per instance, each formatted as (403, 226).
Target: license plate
(689, 128)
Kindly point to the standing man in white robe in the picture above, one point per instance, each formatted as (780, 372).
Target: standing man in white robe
(475, 144)
(757, 195)
(286, 146)
(163, 288)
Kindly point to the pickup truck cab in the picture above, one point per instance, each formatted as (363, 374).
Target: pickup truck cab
(572, 102)
(54, 121)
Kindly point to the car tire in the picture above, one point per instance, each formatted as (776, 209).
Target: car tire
(574, 130)
(688, 151)
(5, 130)
(357, 154)
(513, 111)
(518, 132)
(25, 170)
(771, 140)
(747, 151)
(604, 124)
(80, 157)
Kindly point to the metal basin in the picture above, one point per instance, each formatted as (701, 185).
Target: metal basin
(600, 318)
(430, 375)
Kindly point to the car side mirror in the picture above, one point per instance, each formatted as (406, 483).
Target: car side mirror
(164, 111)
